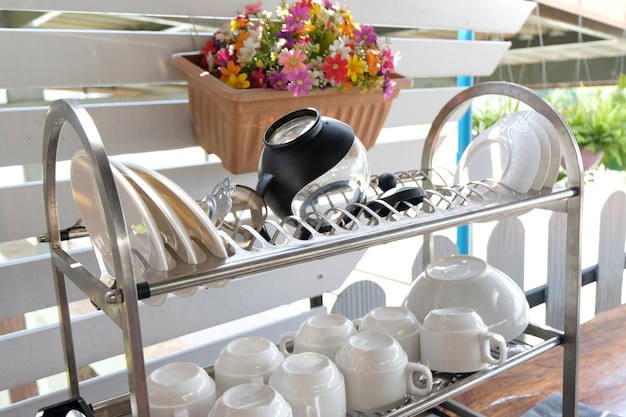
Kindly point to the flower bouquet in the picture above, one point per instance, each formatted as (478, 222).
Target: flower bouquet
(262, 65)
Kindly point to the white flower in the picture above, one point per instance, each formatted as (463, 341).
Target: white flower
(339, 46)
(249, 48)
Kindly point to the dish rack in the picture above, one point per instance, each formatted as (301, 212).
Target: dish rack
(296, 240)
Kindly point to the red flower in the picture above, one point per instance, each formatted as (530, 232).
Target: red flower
(336, 68)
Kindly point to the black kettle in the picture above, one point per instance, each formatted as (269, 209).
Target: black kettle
(311, 163)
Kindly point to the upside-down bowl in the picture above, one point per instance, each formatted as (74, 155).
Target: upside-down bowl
(469, 282)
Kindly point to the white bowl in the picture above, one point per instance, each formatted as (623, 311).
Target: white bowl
(469, 282)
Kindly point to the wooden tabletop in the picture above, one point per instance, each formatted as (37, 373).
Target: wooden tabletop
(602, 376)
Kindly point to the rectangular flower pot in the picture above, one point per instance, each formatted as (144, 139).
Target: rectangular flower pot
(230, 123)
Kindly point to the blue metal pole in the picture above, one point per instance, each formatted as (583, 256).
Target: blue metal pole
(465, 136)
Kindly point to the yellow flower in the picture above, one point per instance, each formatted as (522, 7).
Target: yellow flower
(239, 82)
(355, 68)
(347, 26)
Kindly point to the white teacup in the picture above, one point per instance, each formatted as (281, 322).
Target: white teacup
(321, 333)
(398, 322)
(251, 400)
(378, 375)
(312, 384)
(456, 340)
(180, 389)
(246, 359)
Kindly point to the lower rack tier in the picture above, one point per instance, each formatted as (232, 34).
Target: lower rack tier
(535, 341)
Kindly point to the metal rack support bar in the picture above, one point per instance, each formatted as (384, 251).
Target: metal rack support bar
(573, 163)
(70, 111)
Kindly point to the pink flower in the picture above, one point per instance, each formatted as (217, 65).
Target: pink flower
(298, 14)
(292, 60)
(366, 35)
(254, 8)
(257, 79)
(388, 61)
(299, 83)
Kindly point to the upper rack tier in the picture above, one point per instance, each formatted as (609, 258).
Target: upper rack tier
(295, 240)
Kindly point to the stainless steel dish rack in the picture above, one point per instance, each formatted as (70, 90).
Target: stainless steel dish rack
(295, 240)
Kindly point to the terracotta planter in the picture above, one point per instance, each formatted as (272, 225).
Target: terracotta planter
(230, 123)
(589, 158)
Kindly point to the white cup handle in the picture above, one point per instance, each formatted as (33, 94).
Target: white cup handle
(284, 339)
(485, 349)
(313, 408)
(180, 413)
(413, 368)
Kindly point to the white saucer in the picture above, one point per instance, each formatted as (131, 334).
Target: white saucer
(143, 233)
(195, 220)
(540, 121)
(508, 152)
(485, 158)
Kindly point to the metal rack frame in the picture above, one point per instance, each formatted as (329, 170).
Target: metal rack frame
(297, 240)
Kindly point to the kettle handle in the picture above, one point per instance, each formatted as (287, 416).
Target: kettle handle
(263, 184)
(63, 408)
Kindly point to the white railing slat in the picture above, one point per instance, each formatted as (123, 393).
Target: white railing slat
(113, 384)
(503, 17)
(132, 58)
(96, 337)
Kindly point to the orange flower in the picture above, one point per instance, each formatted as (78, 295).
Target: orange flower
(241, 37)
(230, 69)
(373, 64)
(347, 26)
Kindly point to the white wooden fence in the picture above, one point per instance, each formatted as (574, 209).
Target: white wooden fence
(35, 59)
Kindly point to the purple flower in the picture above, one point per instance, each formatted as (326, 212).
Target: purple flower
(287, 36)
(298, 15)
(387, 87)
(366, 35)
(278, 80)
(300, 83)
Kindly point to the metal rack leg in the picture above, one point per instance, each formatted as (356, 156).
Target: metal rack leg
(460, 409)
(66, 332)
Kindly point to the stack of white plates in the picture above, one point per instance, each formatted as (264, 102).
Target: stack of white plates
(521, 151)
(158, 213)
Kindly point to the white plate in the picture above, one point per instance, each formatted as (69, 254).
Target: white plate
(170, 225)
(526, 151)
(143, 233)
(541, 121)
(195, 220)
(485, 158)
(545, 151)
(508, 151)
